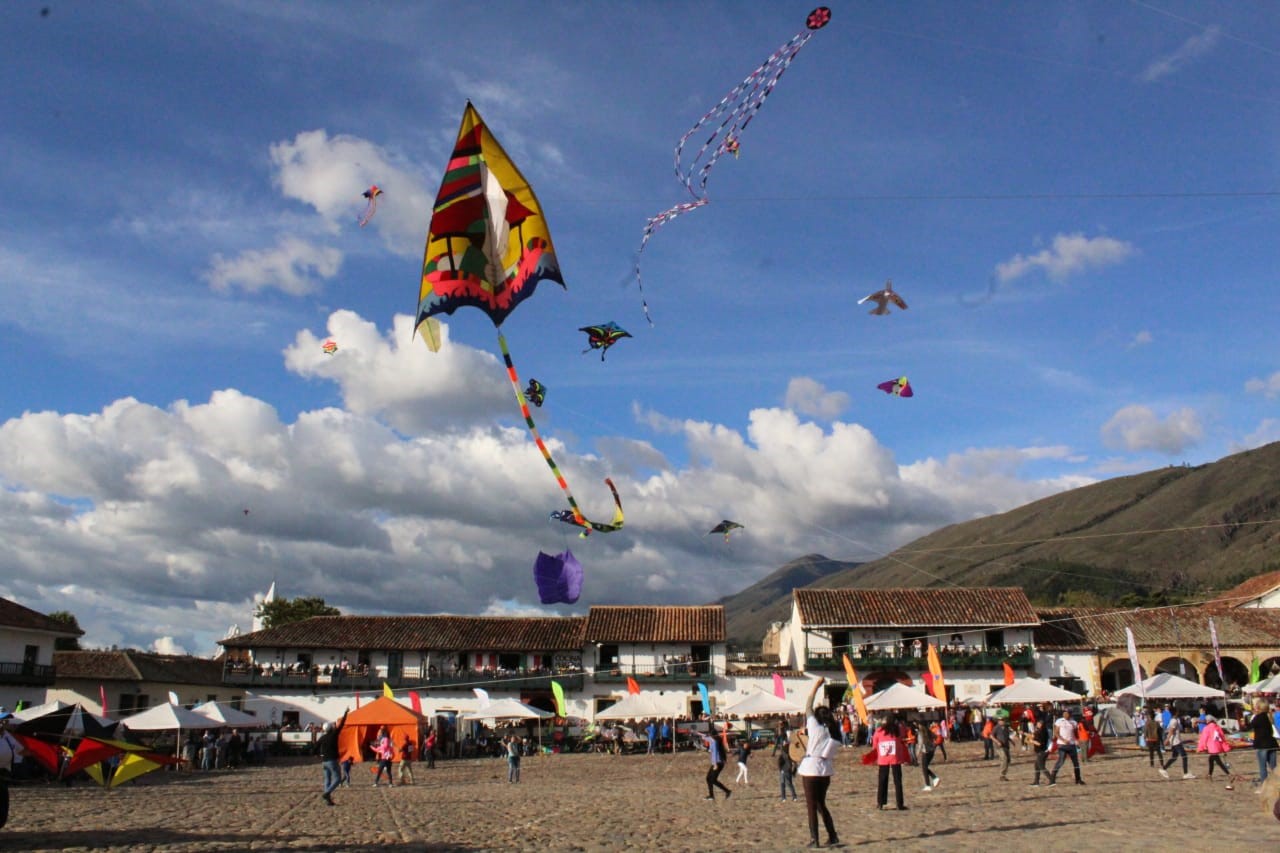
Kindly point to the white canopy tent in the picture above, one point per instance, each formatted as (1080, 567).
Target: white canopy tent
(636, 706)
(900, 697)
(507, 709)
(164, 717)
(40, 710)
(228, 716)
(1266, 685)
(760, 704)
(1166, 685)
(1027, 691)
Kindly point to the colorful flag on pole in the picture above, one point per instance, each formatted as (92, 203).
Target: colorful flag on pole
(855, 687)
(173, 698)
(633, 686)
(482, 695)
(102, 694)
(706, 698)
(935, 668)
(1133, 661)
(558, 692)
(779, 689)
(387, 691)
(415, 701)
(1008, 674)
(1255, 670)
(1217, 653)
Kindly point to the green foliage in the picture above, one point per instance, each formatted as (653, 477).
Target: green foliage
(282, 611)
(66, 644)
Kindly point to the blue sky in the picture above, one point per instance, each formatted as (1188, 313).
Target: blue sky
(1078, 201)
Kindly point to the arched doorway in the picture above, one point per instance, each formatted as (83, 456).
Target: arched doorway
(1235, 671)
(1180, 667)
(1117, 675)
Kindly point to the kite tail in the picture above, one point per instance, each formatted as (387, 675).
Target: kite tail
(369, 210)
(578, 518)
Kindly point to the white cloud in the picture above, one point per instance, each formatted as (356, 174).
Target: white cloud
(1068, 254)
(1193, 48)
(1268, 387)
(1267, 432)
(137, 513)
(809, 397)
(167, 646)
(294, 266)
(1137, 428)
(1141, 339)
(330, 174)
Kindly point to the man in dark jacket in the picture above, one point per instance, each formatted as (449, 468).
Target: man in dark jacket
(327, 746)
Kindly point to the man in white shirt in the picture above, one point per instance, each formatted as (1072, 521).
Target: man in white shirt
(1066, 736)
(10, 753)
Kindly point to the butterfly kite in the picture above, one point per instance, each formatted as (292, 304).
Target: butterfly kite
(559, 577)
(726, 527)
(536, 392)
(604, 336)
(899, 387)
(488, 247)
(882, 298)
(723, 126)
(372, 207)
(329, 347)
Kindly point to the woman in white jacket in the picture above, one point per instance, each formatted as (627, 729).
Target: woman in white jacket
(817, 767)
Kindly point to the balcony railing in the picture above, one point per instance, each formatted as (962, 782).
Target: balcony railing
(985, 659)
(676, 675)
(19, 672)
(352, 679)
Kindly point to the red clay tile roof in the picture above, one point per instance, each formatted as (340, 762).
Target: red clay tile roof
(1085, 628)
(624, 624)
(129, 665)
(931, 608)
(14, 615)
(1254, 587)
(421, 633)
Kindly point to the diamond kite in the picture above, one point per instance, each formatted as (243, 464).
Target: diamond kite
(488, 247)
(726, 527)
(372, 207)
(882, 298)
(734, 112)
(604, 336)
(899, 387)
(559, 577)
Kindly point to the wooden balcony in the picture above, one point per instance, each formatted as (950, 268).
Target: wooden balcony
(26, 674)
(681, 676)
(987, 659)
(351, 680)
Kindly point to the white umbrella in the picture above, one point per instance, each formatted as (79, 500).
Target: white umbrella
(1166, 685)
(507, 709)
(899, 696)
(636, 706)
(164, 717)
(1031, 690)
(761, 704)
(228, 716)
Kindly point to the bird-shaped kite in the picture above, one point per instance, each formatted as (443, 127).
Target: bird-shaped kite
(726, 527)
(603, 336)
(899, 387)
(882, 298)
(372, 207)
(329, 347)
(535, 392)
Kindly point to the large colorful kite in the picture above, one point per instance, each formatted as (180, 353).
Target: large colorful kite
(603, 336)
(733, 114)
(488, 246)
(371, 207)
(899, 387)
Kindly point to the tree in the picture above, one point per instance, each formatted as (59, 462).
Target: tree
(282, 611)
(66, 644)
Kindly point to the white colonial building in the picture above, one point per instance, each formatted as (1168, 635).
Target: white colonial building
(26, 653)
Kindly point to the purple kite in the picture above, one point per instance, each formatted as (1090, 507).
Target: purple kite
(559, 577)
(899, 387)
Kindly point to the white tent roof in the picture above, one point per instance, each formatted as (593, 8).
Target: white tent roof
(507, 709)
(40, 710)
(1266, 685)
(228, 716)
(636, 706)
(167, 716)
(900, 696)
(1166, 685)
(760, 703)
(1026, 690)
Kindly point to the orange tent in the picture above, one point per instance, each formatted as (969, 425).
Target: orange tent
(363, 724)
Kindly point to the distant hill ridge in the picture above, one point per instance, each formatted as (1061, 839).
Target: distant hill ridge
(1165, 535)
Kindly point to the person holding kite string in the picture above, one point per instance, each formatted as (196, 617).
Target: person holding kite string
(817, 767)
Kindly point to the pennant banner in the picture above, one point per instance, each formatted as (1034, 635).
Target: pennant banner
(1133, 661)
(415, 701)
(558, 691)
(1217, 654)
(859, 702)
(935, 669)
(633, 686)
(706, 698)
(1008, 674)
(779, 689)
(387, 691)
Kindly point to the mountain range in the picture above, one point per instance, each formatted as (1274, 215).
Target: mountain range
(1171, 534)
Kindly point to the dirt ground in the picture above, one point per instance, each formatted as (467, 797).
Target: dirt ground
(636, 802)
